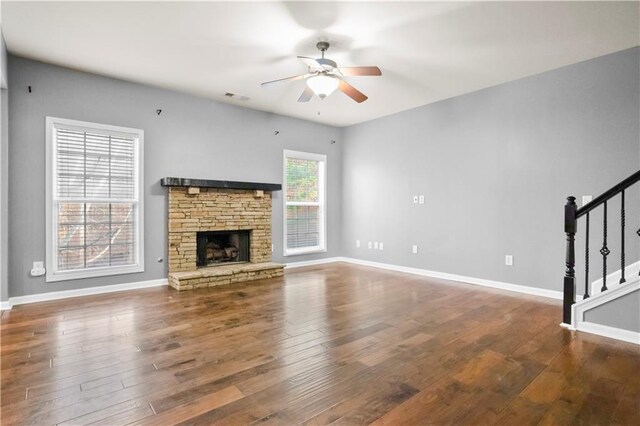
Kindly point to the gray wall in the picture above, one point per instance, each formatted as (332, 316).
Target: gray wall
(495, 167)
(4, 195)
(620, 313)
(194, 137)
(4, 174)
(3, 61)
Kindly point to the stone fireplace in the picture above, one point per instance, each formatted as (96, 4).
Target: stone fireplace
(219, 232)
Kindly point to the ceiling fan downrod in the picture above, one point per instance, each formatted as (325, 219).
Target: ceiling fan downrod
(322, 47)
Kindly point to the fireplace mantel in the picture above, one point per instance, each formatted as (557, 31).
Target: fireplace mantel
(226, 184)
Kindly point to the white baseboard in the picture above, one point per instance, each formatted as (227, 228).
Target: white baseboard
(65, 294)
(5, 306)
(292, 265)
(611, 332)
(553, 294)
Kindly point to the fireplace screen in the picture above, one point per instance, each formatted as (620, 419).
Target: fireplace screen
(222, 247)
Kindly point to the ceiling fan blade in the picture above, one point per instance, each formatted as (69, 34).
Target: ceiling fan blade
(310, 62)
(352, 92)
(306, 95)
(360, 71)
(295, 77)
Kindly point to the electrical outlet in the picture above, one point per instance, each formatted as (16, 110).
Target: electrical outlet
(415, 199)
(381, 246)
(38, 269)
(508, 260)
(369, 244)
(414, 249)
(586, 199)
(375, 245)
(358, 243)
(421, 199)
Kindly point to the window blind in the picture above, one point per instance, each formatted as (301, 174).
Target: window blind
(95, 166)
(96, 198)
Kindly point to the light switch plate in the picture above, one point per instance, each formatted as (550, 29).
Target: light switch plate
(415, 199)
(414, 249)
(358, 243)
(381, 246)
(508, 260)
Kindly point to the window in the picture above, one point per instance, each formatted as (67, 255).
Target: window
(304, 199)
(94, 208)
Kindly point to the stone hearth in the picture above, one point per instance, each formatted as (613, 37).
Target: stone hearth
(202, 209)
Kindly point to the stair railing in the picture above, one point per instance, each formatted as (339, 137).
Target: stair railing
(571, 215)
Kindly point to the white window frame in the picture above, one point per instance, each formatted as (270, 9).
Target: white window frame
(322, 202)
(53, 274)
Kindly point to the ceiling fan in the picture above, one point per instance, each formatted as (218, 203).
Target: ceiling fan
(324, 77)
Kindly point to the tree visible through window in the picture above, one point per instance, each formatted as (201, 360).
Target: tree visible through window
(95, 219)
(304, 202)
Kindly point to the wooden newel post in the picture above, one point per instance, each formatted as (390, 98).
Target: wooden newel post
(570, 228)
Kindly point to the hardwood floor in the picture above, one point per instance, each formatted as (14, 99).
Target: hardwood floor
(337, 344)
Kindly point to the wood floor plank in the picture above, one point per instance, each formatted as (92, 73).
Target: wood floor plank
(339, 344)
(194, 407)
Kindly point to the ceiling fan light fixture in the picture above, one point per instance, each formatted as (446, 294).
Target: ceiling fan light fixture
(322, 85)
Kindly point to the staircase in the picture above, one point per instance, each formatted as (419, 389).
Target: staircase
(612, 285)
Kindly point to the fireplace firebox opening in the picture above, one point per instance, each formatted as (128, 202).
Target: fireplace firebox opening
(222, 247)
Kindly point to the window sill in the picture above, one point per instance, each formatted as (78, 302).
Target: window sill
(92, 273)
(307, 250)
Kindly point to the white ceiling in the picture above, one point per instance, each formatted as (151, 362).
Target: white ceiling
(427, 51)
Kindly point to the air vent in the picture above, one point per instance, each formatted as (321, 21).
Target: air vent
(236, 96)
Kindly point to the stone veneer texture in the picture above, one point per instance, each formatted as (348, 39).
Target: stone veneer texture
(216, 209)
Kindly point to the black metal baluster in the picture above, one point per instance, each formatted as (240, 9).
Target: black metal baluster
(569, 287)
(622, 222)
(586, 262)
(604, 251)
